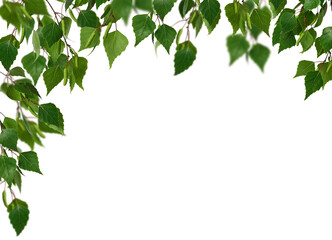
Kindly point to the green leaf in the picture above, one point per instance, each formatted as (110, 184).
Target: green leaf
(115, 43)
(17, 181)
(51, 128)
(184, 57)
(277, 6)
(48, 113)
(310, 4)
(163, 7)
(29, 161)
(65, 24)
(10, 123)
(52, 77)
(17, 71)
(325, 71)
(313, 82)
(304, 67)
(7, 168)
(52, 33)
(19, 217)
(214, 23)
(88, 18)
(185, 6)
(8, 54)
(36, 7)
(288, 21)
(144, 4)
(122, 8)
(36, 43)
(166, 35)
(69, 2)
(233, 16)
(210, 10)
(86, 34)
(8, 138)
(259, 54)
(321, 15)
(26, 87)
(197, 21)
(308, 39)
(12, 14)
(237, 45)
(10, 91)
(34, 65)
(143, 26)
(76, 71)
(326, 39)
(287, 40)
(261, 18)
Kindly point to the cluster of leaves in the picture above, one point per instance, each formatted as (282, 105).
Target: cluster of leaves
(47, 30)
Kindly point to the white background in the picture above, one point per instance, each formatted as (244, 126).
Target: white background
(217, 152)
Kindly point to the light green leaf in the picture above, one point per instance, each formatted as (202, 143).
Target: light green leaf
(143, 26)
(52, 33)
(310, 4)
(19, 217)
(8, 54)
(8, 138)
(10, 91)
(163, 7)
(308, 39)
(304, 67)
(210, 10)
(36, 43)
(313, 82)
(36, 7)
(259, 54)
(166, 35)
(29, 161)
(233, 16)
(86, 34)
(76, 71)
(34, 65)
(52, 77)
(325, 70)
(7, 168)
(197, 21)
(184, 57)
(115, 43)
(237, 45)
(65, 24)
(261, 18)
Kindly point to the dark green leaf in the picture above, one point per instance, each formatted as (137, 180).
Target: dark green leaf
(261, 18)
(166, 35)
(326, 39)
(313, 82)
(288, 21)
(122, 9)
(163, 7)
(26, 87)
(237, 45)
(8, 54)
(8, 138)
(184, 57)
(19, 217)
(259, 54)
(7, 168)
(36, 7)
(48, 113)
(325, 70)
(185, 6)
(52, 77)
(29, 161)
(210, 10)
(52, 33)
(17, 71)
(87, 18)
(76, 71)
(287, 40)
(310, 4)
(144, 4)
(233, 16)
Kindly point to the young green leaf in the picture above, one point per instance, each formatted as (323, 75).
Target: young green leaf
(166, 35)
(210, 10)
(313, 82)
(29, 161)
(237, 45)
(163, 7)
(115, 43)
(261, 18)
(8, 138)
(76, 72)
(90, 37)
(304, 67)
(7, 168)
(36, 43)
(8, 54)
(143, 26)
(65, 24)
(259, 54)
(52, 77)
